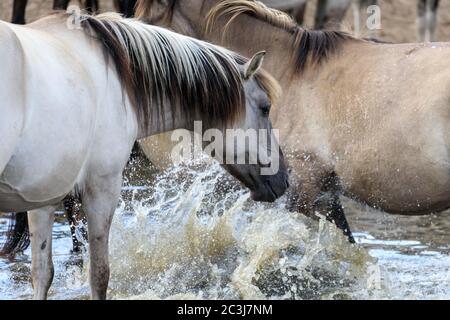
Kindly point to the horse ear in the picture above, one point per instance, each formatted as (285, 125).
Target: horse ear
(254, 64)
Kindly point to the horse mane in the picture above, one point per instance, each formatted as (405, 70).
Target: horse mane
(311, 46)
(162, 69)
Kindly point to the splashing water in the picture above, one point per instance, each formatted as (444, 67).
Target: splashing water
(196, 234)
(201, 237)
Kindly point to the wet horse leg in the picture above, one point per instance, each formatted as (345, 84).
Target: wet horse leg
(99, 200)
(311, 181)
(72, 214)
(41, 224)
(334, 211)
(19, 8)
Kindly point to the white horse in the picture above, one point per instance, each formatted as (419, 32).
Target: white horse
(74, 101)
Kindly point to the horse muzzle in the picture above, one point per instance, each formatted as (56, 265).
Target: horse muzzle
(271, 188)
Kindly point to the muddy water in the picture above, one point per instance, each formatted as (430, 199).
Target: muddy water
(193, 233)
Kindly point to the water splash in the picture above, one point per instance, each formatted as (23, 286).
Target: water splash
(199, 236)
(192, 232)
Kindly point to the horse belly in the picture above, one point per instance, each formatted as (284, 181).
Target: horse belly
(48, 160)
(416, 188)
(11, 201)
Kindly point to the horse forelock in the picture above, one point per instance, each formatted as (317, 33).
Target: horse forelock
(308, 47)
(162, 70)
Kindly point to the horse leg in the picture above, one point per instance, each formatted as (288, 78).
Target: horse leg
(19, 8)
(60, 4)
(356, 18)
(330, 14)
(118, 6)
(432, 19)
(91, 6)
(335, 211)
(72, 214)
(99, 200)
(41, 224)
(336, 14)
(18, 236)
(299, 13)
(421, 20)
(310, 180)
(320, 14)
(131, 5)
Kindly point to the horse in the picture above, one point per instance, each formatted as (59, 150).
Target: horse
(295, 8)
(427, 20)
(19, 8)
(371, 119)
(125, 7)
(18, 234)
(118, 80)
(329, 13)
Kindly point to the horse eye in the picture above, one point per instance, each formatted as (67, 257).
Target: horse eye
(265, 109)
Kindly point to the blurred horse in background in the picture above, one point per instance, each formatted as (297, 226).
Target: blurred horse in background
(329, 14)
(19, 8)
(125, 7)
(427, 20)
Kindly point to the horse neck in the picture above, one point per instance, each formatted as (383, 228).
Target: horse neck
(258, 36)
(161, 122)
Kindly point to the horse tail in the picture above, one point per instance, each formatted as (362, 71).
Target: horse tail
(17, 236)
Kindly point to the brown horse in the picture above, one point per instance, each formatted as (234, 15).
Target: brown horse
(174, 16)
(366, 120)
